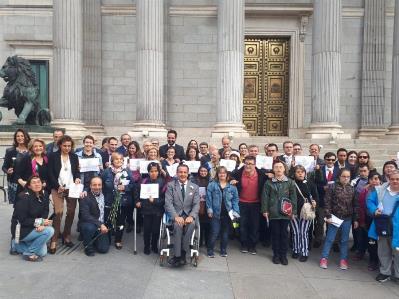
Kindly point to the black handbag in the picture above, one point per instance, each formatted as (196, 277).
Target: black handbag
(383, 224)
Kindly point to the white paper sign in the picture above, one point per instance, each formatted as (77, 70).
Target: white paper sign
(306, 161)
(229, 164)
(172, 169)
(75, 190)
(144, 165)
(335, 220)
(264, 162)
(193, 165)
(125, 182)
(90, 164)
(148, 190)
(134, 164)
(202, 193)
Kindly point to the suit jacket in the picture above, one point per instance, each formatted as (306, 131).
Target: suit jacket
(54, 167)
(180, 154)
(122, 150)
(321, 181)
(174, 203)
(89, 212)
(346, 164)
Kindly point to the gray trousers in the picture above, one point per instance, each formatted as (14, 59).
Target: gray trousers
(386, 254)
(181, 237)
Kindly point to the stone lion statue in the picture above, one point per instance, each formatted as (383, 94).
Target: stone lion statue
(21, 93)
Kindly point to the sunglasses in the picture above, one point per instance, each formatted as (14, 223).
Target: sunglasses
(330, 159)
(363, 157)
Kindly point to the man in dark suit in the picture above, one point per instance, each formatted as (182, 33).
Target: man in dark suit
(171, 137)
(52, 146)
(314, 150)
(106, 155)
(182, 204)
(91, 220)
(226, 146)
(324, 176)
(341, 162)
(288, 147)
(125, 140)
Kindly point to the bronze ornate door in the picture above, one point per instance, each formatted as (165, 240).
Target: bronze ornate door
(266, 77)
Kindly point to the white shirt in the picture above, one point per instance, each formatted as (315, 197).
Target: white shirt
(65, 178)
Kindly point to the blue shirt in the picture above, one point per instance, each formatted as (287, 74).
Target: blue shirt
(388, 202)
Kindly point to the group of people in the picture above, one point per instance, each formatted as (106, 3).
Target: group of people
(286, 204)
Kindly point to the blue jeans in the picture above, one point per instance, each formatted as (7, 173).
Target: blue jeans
(330, 237)
(90, 231)
(221, 225)
(35, 242)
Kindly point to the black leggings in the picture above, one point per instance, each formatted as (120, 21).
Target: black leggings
(151, 223)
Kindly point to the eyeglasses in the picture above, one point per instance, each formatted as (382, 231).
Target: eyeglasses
(363, 157)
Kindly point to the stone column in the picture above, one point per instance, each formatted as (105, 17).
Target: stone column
(394, 128)
(150, 68)
(67, 83)
(326, 72)
(92, 63)
(373, 77)
(231, 14)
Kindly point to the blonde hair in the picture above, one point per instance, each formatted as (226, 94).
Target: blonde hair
(32, 142)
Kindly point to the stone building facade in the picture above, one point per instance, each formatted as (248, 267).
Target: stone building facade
(298, 68)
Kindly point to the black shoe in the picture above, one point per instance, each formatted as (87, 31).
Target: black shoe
(303, 258)
(175, 261)
(138, 229)
(244, 249)
(276, 260)
(252, 251)
(335, 247)
(90, 252)
(69, 244)
(154, 249)
(382, 277)
(147, 251)
(284, 260)
(13, 251)
(316, 244)
(295, 255)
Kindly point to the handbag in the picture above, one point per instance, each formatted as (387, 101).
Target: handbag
(383, 223)
(307, 211)
(285, 207)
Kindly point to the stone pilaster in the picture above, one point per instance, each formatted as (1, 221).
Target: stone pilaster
(92, 63)
(68, 47)
(150, 68)
(394, 128)
(373, 75)
(326, 72)
(229, 104)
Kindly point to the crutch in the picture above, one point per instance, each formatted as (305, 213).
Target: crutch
(135, 233)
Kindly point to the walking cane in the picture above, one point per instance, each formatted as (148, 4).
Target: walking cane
(135, 236)
(100, 234)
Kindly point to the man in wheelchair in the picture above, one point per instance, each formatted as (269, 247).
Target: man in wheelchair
(182, 204)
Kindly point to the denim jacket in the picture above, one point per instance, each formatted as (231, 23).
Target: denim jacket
(214, 198)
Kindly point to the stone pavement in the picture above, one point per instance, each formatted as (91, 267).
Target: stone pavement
(120, 274)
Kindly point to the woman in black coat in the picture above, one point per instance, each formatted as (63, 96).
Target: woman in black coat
(12, 158)
(32, 227)
(152, 208)
(35, 163)
(63, 171)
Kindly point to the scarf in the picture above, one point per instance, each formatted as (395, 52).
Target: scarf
(118, 172)
(35, 167)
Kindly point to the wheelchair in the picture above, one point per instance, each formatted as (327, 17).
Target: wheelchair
(166, 247)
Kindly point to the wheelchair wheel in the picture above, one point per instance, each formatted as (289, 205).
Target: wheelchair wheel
(163, 259)
(194, 260)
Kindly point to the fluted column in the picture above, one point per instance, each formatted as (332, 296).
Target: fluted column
(92, 61)
(68, 44)
(373, 75)
(394, 128)
(326, 72)
(150, 64)
(230, 76)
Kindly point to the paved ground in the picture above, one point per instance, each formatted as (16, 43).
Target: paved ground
(120, 274)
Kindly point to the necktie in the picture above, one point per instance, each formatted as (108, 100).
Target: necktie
(330, 176)
(183, 191)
